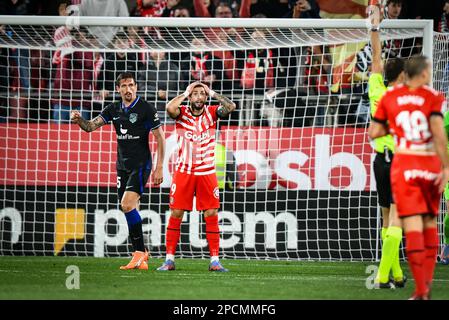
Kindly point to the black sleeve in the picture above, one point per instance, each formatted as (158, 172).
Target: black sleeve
(107, 113)
(153, 117)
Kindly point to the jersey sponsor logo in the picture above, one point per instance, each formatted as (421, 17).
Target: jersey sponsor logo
(217, 193)
(127, 137)
(123, 131)
(419, 174)
(410, 99)
(115, 118)
(196, 137)
(133, 117)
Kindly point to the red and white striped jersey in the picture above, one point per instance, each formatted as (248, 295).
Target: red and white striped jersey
(196, 141)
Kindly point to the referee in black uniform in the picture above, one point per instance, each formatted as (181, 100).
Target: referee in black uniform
(133, 118)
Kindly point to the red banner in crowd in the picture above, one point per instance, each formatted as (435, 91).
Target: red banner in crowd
(286, 158)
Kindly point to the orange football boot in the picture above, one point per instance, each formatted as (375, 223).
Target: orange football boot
(137, 262)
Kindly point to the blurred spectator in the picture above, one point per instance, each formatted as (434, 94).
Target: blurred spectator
(205, 8)
(171, 7)
(14, 7)
(221, 36)
(206, 67)
(74, 78)
(257, 65)
(149, 8)
(53, 7)
(392, 9)
(443, 23)
(303, 9)
(104, 8)
(318, 78)
(19, 60)
(181, 12)
(267, 8)
(223, 10)
(114, 64)
(159, 80)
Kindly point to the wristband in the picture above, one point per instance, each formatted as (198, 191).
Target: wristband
(375, 29)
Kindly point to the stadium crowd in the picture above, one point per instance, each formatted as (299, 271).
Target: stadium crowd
(43, 85)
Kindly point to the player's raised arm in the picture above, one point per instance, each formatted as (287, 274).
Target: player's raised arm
(227, 106)
(173, 105)
(158, 176)
(377, 65)
(86, 125)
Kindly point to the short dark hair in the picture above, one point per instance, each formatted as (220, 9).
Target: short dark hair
(124, 75)
(401, 2)
(393, 69)
(415, 65)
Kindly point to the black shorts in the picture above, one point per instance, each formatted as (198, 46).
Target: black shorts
(132, 180)
(382, 168)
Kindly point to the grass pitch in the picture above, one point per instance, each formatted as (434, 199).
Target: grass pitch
(100, 278)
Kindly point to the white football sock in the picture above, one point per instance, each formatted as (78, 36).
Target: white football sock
(170, 257)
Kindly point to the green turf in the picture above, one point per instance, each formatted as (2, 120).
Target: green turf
(100, 278)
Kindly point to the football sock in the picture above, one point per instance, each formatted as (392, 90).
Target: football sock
(389, 253)
(172, 236)
(416, 257)
(135, 229)
(431, 245)
(214, 258)
(213, 235)
(170, 257)
(446, 228)
(396, 234)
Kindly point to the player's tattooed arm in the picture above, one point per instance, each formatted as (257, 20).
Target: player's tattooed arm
(87, 125)
(173, 106)
(227, 106)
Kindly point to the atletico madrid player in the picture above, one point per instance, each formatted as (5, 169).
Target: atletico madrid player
(133, 119)
(413, 114)
(196, 124)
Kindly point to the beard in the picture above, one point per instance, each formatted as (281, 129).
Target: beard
(128, 97)
(197, 106)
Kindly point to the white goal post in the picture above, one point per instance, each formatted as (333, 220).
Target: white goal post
(297, 158)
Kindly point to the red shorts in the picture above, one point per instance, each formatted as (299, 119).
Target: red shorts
(413, 183)
(185, 186)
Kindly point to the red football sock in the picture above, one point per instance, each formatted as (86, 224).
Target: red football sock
(173, 233)
(431, 244)
(416, 257)
(213, 235)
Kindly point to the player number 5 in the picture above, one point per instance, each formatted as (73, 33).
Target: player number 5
(118, 182)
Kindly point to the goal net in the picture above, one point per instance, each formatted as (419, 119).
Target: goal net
(294, 160)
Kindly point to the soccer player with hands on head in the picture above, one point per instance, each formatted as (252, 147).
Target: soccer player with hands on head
(412, 112)
(196, 125)
(133, 118)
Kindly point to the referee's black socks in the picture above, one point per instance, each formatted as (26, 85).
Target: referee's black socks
(135, 229)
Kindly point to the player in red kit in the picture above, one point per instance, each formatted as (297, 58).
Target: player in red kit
(412, 113)
(196, 124)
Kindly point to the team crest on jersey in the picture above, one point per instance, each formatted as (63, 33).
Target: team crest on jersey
(133, 117)
(217, 193)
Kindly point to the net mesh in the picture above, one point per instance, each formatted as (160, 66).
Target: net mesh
(298, 177)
